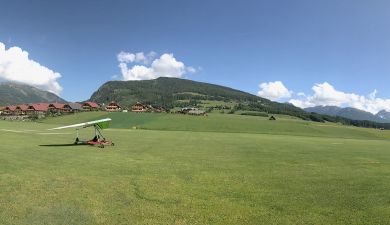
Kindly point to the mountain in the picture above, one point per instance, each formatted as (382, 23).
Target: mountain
(350, 113)
(383, 114)
(175, 92)
(16, 93)
(165, 90)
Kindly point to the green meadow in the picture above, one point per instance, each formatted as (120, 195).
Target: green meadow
(177, 169)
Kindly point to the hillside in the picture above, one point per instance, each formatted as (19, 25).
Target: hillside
(174, 92)
(166, 91)
(15, 93)
(350, 113)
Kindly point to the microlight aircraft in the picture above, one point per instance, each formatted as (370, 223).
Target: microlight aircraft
(98, 139)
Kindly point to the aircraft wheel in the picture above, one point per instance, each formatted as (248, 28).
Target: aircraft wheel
(112, 144)
(101, 146)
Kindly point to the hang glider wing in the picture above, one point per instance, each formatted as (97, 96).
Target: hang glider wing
(103, 124)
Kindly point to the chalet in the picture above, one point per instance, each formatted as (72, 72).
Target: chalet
(39, 108)
(55, 107)
(139, 107)
(113, 107)
(75, 107)
(90, 106)
(9, 110)
(20, 110)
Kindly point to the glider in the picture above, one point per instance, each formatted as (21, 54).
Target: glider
(98, 140)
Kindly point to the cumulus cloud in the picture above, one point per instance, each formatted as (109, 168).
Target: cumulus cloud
(149, 66)
(326, 95)
(274, 91)
(139, 57)
(16, 66)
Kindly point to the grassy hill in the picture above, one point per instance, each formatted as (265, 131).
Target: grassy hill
(174, 92)
(165, 91)
(221, 169)
(15, 93)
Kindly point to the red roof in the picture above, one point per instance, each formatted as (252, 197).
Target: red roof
(10, 108)
(91, 104)
(57, 105)
(39, 107)
(22, 107)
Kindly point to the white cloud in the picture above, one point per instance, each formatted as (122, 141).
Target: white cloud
(16, 66)
(164, 66)
(372, 95)
(139, 57)
(274, 91)
(326, 95)
(191, 69)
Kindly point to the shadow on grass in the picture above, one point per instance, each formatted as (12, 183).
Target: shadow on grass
(62, 145)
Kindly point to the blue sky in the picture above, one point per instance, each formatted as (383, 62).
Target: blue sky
(240, 44)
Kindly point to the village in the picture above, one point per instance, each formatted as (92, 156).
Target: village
(40, 110)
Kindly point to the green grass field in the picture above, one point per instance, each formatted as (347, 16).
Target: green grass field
(176, 169)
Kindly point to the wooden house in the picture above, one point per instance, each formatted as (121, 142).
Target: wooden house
(90, 106)
(9, 110)
(39, 108)
(113, 107)
(20, 110)
(55, 107)
(139, 107)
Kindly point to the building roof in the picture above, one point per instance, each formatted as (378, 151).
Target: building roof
(139, 104)
(39, 107)
(91, 104)
(57, 105)
(113, 104)
(22, 107)
(10, 107)
(75, 106)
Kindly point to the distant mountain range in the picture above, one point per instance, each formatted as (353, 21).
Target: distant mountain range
(383, 114)
(15, 93)
(351, 113)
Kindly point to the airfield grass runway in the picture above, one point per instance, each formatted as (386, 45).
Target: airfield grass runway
(175, 169)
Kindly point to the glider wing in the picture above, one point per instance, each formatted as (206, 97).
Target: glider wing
(103, 124)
